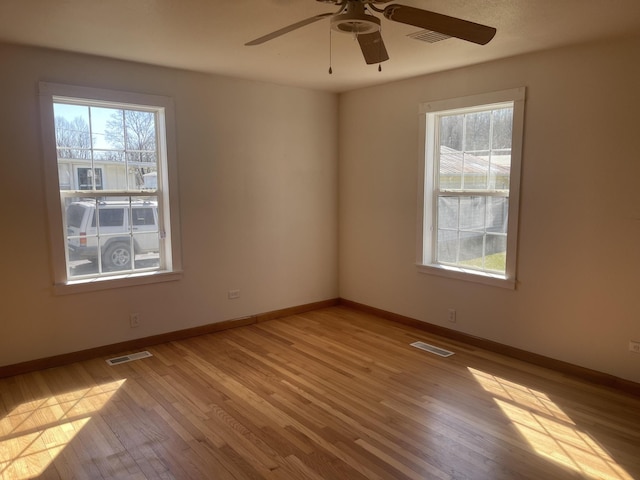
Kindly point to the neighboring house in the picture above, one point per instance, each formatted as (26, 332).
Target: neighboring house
(476, 170)
(76, 174)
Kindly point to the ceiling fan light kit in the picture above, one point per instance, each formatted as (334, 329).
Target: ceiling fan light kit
(354, 17)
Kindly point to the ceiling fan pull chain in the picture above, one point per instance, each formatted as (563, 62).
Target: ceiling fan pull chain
(330, 69)
(380, 52)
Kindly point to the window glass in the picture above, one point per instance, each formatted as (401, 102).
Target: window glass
(463, 219)
(75, 214)
(143, 216)
(111, 148)
(470, 217)
(110, 217)
(108, 157)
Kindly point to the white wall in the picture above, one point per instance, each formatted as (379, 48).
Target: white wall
(258, 201)
(259, 195)
(578, 293)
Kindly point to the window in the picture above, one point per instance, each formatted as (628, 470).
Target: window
(111, 187)
(470, 186)
(86, 180)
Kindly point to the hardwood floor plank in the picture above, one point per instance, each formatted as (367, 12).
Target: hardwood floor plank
(330, 394)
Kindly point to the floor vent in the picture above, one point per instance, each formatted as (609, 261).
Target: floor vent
(129, 358)
(430, 348)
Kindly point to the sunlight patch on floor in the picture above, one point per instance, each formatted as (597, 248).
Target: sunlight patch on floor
(35, 432)
(549, 430)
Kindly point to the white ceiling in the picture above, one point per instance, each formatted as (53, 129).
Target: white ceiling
(209, 35)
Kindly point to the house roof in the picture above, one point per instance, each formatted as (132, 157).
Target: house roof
(454, 162)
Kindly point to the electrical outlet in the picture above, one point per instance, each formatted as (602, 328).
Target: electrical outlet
(233, 294)
(134, 320)
(634, 347)
(452, 315)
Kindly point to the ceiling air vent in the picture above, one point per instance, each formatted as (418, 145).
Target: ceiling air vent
(129, 358)
(428, 36)
(431, 349)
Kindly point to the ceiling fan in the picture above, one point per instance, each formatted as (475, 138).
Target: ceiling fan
(355, 17)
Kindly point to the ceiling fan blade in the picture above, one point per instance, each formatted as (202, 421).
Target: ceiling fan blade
(373, 48)
(454, 27)
(288, 29)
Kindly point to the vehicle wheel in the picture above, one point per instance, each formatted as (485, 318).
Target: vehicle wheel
(117, 256)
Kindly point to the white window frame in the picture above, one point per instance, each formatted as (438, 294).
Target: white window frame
(167, 192)
(427, 207)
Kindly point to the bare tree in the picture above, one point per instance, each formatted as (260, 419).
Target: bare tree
(73, 138)
(133, 132)
(480, 130)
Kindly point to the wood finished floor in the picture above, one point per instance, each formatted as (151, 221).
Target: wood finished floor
(330, 394)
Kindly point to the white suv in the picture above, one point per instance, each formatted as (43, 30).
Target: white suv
(118, 227)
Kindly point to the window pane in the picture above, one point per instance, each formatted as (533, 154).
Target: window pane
(498, 214)
(477, 131)
(80, 266)
(111, 216)
(81, 238)
(65, 176)
(73, 135)
(471, 249)
(143, 217)
(496, 251)
(140, 130)
(451, 130)
(448, 212)
(447, 251)
(149, 178)
(500, 171)
(472, 213)
(140, 165)
(144, 221)
(451, 163)
(146, 250)
(116, 253)
(476, 170)
(108, 129)
(502, 128)
(75, 215)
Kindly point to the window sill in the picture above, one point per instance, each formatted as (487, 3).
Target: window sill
(475, 276)
(117, 281)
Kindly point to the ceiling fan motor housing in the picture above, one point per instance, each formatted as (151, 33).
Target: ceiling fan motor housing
(355, 20)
